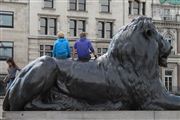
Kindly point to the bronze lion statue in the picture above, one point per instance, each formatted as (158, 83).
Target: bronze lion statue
(125, 78)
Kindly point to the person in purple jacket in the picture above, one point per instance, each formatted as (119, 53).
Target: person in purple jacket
(84, 48)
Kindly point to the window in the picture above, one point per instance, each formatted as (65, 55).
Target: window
(167, 15)
(46, 50)
(130, 6)
(108, 30)
(77, 5)
(6, 50)
(105, 29)
(6, 19)
(48, 3)
(72, 27)
(52, 26)
(143, 8)
(166, 11)
(48, 26)
(81, 26)
(101, 29)
(73, 4)
(82, 5)
(105, 5)
(101, 51)
(170, 39)
(43, 26)
(136, 7)
(168, 79)
(77, 26)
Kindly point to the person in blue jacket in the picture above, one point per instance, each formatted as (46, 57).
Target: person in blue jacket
(61, 49)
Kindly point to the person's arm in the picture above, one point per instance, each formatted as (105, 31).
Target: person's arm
(6, 79)
(18, 68)
(92, 50)
(68, 50)
(54, 50)
(74, 50)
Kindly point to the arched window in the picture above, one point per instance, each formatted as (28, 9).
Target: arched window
(169, 38)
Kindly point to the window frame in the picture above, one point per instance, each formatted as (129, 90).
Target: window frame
(84, 4)
(143, 8)
(83, 29)
(110, 31)
(76, 26)
(74, 3)
(44, 50)
(100, 51)
(50, 1)
(108, 6)
(130, 7)
(138, 3)
(47, 26)
(168, 87)
(104, 29)
(12, 49)
(54, 27)
(171, 39)
(11, 13)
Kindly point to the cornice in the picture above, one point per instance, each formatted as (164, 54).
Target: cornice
(169, 24)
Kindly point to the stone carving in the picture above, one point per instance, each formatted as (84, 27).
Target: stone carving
(125, 78)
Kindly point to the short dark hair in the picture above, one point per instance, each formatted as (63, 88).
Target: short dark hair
(83, 34)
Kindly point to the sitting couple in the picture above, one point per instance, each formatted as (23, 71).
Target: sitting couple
(82, 47)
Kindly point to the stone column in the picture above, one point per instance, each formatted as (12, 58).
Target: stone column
(178, 77)
(132, 13)
(178, 41)
(140, 8)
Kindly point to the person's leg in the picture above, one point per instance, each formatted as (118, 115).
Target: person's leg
(35, 79)
(8, 84)
(61, 57)
(83, 59)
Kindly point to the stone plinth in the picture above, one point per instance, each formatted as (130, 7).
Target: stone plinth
(1, 102)
(92, 115)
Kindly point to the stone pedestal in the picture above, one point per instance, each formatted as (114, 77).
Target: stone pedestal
(92, 115)
(1, 102)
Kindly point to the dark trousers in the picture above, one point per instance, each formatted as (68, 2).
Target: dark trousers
(84, 59)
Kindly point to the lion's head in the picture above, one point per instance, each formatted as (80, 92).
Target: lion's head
(141, 44)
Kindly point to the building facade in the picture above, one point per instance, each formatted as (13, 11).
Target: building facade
(166, 17)
(13, 33)
(101, 19)
(37, 22)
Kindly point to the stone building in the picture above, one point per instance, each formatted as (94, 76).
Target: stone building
(36, 23)
(166, 17)
(100, 18)
(13, 33)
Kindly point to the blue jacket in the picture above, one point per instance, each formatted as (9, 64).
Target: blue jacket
(61, 48)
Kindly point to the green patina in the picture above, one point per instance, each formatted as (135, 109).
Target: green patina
(174, 2)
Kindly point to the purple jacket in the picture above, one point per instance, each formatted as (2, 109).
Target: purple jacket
(83, 47)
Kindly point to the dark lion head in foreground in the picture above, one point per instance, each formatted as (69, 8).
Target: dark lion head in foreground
(125, 78)
(140, 43)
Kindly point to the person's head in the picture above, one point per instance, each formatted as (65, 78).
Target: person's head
(83, 35)
(11, 62)
(60, 34)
